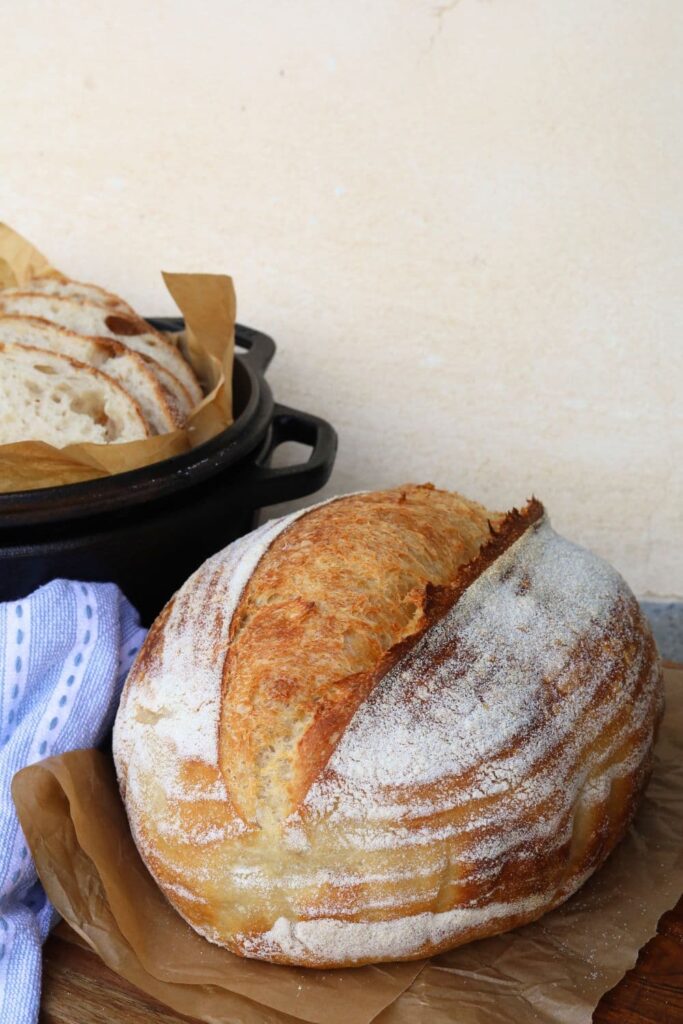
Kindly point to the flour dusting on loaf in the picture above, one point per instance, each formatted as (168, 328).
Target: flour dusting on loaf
(541, 597)
(181, 702)
(478, 757)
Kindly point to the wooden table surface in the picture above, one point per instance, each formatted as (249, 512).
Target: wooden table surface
(79, 989)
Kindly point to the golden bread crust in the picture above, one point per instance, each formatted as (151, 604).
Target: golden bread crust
(457, 767)
(309, 637)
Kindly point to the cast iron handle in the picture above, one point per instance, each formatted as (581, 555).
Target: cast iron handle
(268, 486)
(260, 348)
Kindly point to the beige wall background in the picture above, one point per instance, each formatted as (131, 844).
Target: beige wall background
(461, 221)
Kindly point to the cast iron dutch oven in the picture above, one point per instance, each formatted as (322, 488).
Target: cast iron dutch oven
(149, 529)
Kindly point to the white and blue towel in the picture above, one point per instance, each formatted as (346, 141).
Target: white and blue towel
(64, 653)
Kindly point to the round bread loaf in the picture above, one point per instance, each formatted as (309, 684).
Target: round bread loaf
(385, 726)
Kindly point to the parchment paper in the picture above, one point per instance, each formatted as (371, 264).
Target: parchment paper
(207, 302)
(552, 972)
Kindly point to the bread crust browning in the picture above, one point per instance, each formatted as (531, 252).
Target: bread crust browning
(321, 620)
(459, 767)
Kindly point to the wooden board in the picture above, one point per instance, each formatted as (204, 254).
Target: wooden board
(79, 989)
(652, 993)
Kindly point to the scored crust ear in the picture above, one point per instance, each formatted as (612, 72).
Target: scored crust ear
(294, 659)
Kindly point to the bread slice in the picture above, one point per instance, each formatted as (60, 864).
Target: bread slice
(108, 356)
(90, 318)
(63, 286)
(176, 395)
(52, 398)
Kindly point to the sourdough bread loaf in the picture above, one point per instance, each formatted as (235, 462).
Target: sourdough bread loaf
(385, 726)
(52, 398)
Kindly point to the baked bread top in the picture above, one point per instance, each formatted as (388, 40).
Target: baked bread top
(385, 726)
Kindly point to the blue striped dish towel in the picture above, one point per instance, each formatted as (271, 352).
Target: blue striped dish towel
(64, 653)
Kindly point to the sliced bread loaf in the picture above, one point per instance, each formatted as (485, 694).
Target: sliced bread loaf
(52, 398)
(110, 357)
(89, 318)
